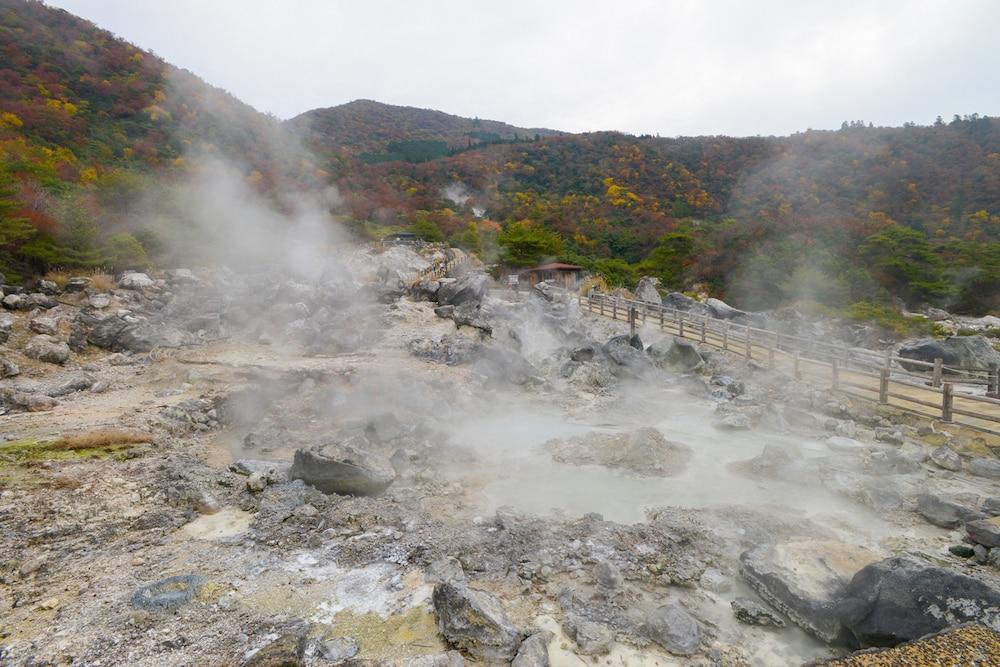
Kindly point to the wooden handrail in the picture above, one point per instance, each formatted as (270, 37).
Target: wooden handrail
(841, 361)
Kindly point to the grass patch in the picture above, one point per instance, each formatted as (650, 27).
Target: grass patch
(98, 279)
(888, 318)
(108, 443)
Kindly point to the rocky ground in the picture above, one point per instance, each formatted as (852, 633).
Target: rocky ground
(210, 468)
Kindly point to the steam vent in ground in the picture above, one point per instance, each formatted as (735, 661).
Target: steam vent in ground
(404, 461)
(383, 386)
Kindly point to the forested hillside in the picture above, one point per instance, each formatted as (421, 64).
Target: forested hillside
(94, 132)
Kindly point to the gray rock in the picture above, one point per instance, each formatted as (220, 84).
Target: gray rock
(39, 403)
(844, 445)
(673, 628)
(889, 435)
(723, 311)
(44, 325)
(15, 302)
(805, 580)
(715, 581)
(897, 600)
(676, 354)
(71, 385)
(643, 451)
(257, 482)
(99, 301)
(985, 468)
(135, 281)
(985, 532)
(608, 576)
(945, 457)
(534, 651)
(48, 287)
(991, 505)
(48, 349)
(980, 554)
(945, 513)
(470, 287)
(345, 469)
(752, 612)
(646, 291)
(8, 368)
(76, 284)
(591, 638)
(168, 594)
(285, 651)
(625, 351)
(336, 650)
(956, 351)
(475, 622)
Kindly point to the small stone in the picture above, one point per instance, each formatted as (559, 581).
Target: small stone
(342, 648)
(752, 612)
(984, 531)
(32, 566)
(305, 511)
(947, 458)
(228, 603)
(257, 481)
(889, 435)
(673, 628)
(138, 560)
(591, 638)
(980, 554)
(715, 581)
(608, 576)
(206, 503)
(37, 403)
(961, 550)
(534, 651)
(50, 603)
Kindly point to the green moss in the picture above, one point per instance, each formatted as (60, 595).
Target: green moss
(28, 450)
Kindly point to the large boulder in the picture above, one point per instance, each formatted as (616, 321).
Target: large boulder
(897, 600)
(721, 310)
(676, 354)
(806, 580)
(625, 350)
(644, 451)
(985, 531)
(475, 622)
(673, 628)
(955, 351)
(646, 291)
(534, 651)
(945, 513)
(349, 469)
(135, 280)
(678, 301)
(470, 287)
(48, 349)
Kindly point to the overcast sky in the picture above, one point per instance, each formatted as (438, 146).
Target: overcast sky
(677, 67)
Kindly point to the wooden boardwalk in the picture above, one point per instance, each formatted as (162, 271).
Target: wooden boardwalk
(941, 393)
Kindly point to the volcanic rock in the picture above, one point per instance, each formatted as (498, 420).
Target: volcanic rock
(48, 349)
(673, 628)
(475, 622)
(344, 469)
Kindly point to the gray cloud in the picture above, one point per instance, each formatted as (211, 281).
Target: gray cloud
(671, 68)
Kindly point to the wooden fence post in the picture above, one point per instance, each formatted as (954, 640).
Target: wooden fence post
(936, 376)
(725, 337)
(749, 345)
(614, 309)
(883, 386)
(798, 372)
(661, 318)
(993, 386)
(834, 374)
(680, 325)
(602, 305)
(770, 351)
(631, 320)
(704, 326)
(947, 399)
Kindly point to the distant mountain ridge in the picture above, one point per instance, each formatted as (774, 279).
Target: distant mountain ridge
(367, 127)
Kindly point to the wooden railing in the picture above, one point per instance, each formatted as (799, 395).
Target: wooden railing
(442, 269)
(942, 392)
